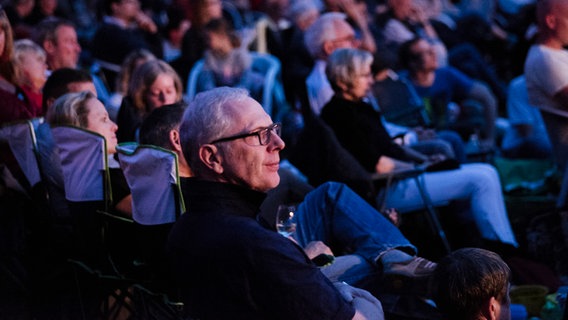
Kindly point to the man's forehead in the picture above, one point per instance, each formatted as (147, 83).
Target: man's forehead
(247, 114)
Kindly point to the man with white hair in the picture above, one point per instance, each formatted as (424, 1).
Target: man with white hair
(226, 264)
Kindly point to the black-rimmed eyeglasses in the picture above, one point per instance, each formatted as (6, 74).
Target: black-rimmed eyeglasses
(264, 135)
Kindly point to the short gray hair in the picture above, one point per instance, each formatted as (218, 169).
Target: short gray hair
(345, 64)
(206, 119)
(321, 31)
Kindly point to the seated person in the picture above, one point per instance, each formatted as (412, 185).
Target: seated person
(330, 214)
(472, 284)
(440, 86)
(84, 110)
(527, 137)
(152, 85)
(60, 82)
(29, 62)
(15, 105)
(125, 27)
(226, 264)
(360, 131)
(227, 63)
(413, 120)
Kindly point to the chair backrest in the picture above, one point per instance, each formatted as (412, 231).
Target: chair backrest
(21, 139)
(399, 102)
(152, 174)
(263, 63)
(85, 164)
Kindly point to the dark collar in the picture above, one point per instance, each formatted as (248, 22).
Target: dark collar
(209, 196)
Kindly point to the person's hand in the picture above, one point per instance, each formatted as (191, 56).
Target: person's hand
(146, 23)
(349, 7)
(417, 15)
(315, 248)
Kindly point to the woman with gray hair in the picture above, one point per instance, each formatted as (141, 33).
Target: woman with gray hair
(360, 130)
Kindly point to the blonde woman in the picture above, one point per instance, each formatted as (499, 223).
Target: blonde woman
(84, 110)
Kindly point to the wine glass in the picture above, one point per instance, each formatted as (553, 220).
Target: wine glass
(286, 220)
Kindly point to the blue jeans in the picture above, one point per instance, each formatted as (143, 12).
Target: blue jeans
(337, 216)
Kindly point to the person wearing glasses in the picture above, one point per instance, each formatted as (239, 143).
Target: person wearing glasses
(360, 131)
(332, 219)
(226, 264)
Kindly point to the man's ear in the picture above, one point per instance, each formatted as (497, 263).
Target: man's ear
(343, 86)
(491, 309)
(174, 140)
(550, 21)
(48, 46)
(211, 156)
(328, 47)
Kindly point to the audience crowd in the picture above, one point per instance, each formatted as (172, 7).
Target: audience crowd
(343, 108)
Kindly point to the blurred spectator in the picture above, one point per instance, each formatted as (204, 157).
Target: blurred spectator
(132, 61)
(59, 40)
(45, 9)
(297, 62)
(174, 31)
(18, 11)
(227, 63)
(546, 74)
(152, 85)
(358, 18)
(194, 43)
(29, 61)
(439, 86)
(125, 28)
(15, 104)
(526, 137)
(322, 38)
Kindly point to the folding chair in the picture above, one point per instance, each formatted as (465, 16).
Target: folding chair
(86, 178)
(101, 296)
(152, 174)
(149, 305)
(399, 102)
(24, 219)
(85, 166)
(19, 141)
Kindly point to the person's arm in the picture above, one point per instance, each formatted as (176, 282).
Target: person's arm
(351, 10)
(365, 304)
(388, 164)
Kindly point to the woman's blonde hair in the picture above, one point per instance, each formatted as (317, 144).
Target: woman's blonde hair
(70, 110)
(143, 78)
